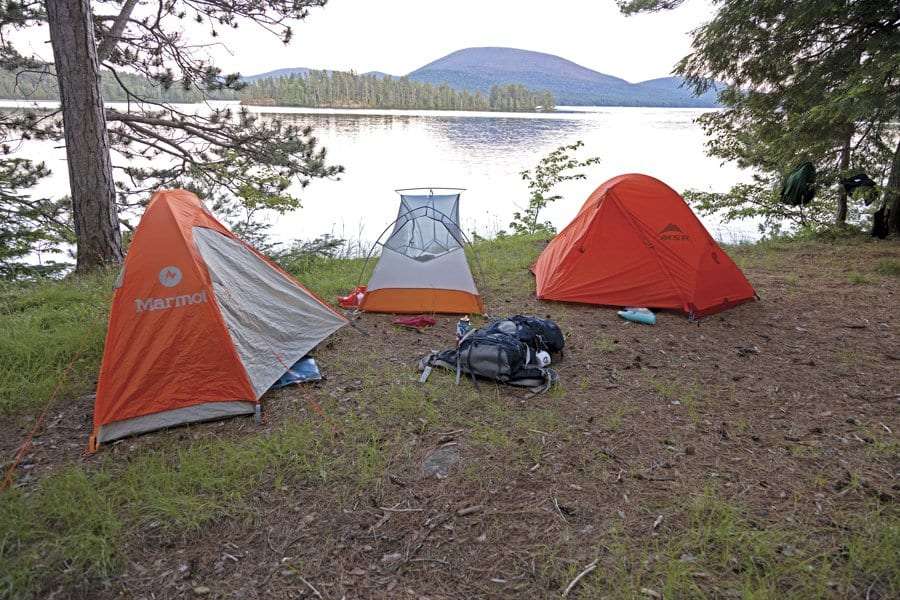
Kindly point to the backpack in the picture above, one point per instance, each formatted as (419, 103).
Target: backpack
(539, 334)
(498, 352)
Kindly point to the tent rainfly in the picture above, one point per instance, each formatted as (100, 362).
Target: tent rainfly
(201, 324)
(636, 242)
(423, 266)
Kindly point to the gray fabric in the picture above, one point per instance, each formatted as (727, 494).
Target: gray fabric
(170, 418)
(449, 271)
(272, 321)
(426, 226)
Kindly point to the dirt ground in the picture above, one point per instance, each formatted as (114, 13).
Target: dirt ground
(788, 407)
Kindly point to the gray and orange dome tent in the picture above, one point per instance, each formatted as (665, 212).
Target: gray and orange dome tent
(201, 324)
(423, 266)
(636, 242)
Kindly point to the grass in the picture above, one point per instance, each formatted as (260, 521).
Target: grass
(856, 278)
(889, 267)
(713, 548)
(70, 527)
(330, 278)
(605, 343)
(690, 396)
(46, 326)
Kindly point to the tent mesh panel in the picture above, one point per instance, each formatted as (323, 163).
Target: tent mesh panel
(426, 227)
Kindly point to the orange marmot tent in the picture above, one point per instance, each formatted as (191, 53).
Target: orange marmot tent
(636, 242)
(201, 324)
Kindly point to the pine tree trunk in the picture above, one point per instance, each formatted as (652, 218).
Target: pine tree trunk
(840, 219)
(87, 143)
(892, 195)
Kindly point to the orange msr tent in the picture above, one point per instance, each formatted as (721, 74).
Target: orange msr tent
(636, 242)
(201, 324)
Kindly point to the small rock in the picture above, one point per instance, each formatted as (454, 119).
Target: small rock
(439, 461)
(651, 593)
(358, 572)
(392, 557)
(201, 590)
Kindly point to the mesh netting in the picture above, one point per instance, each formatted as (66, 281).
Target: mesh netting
(427, 226)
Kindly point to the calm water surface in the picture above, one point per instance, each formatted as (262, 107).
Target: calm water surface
(482, 152)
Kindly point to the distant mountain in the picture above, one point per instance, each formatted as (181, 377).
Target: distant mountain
(477, 69)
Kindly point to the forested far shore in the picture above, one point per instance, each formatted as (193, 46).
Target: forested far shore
(43, 86)
(317, 89)
(339, 89)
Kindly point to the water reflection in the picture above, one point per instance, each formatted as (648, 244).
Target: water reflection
(482, 152)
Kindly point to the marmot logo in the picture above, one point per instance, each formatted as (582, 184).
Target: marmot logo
(170, 276)
(672, 232)
(145, 304)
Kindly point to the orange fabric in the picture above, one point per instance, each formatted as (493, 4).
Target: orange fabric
(419, 300)
(636, 242)
(167, 345)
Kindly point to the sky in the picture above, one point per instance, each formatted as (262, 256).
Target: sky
(398, 36)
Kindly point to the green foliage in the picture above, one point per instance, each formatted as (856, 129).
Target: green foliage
(305, 255)
(810, 80)
(555, 168)
(339, 89)
(760, 201)
(30, 228)
(631, 7)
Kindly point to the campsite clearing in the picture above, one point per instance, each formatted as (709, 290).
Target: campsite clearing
(752, 455)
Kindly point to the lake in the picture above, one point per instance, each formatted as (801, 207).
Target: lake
(383, 150)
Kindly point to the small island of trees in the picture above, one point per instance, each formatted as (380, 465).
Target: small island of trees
(340, 89)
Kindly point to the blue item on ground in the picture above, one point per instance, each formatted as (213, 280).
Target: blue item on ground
(638, 315)
(303, 370)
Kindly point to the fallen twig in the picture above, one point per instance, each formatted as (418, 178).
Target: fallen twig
(469, 510)
(559, 510)
(574, 582)
(434, 560)
(310, 586)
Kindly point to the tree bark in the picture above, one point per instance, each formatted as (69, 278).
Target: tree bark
(840, 219)
(87, 142)
(892, 195)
